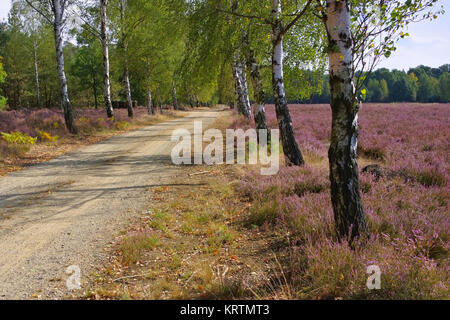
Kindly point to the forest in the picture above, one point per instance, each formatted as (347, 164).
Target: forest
(420, 84)
(28, 63)
(92, 91)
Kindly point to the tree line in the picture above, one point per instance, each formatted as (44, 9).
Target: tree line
(420, 84)
(217, 51)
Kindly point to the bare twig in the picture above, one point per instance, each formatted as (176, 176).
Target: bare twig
(130, 277)
(198, 173)
(39, 11)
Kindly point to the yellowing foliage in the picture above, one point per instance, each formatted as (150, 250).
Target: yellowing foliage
(18, 137)
(47, 136)
(122, 125)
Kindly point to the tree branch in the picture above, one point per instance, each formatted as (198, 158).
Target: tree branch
(90, 28)
(39, 11)
(266, 21)
(298, 16)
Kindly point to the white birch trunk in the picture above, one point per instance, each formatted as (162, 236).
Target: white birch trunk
(290, 146)
(125, 61)
(128, 90)
(245, 97)
(241, 88)
(150, 108)
(345, 195)
(174, 96)
(259, 113)
(36, 75)
(236, 87)
(105, 52)
(58, 12)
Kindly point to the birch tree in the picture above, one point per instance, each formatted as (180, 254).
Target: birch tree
(150, 108)
(259, 113)
(214, 47)
(58, 19)
(290, 146)
(31, 27)
(94, 18)
(124, 46)
(280, 24)
(154, 54)
(174, 96)
(36, 74)
(105, 53)
(359, 34)
(30, 24)
(206, 51)
(242, 100)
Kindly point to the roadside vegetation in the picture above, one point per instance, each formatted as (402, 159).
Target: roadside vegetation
(30, 136)
(360, 184)
(233, 234)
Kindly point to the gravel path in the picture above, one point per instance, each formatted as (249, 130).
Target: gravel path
(63, 212)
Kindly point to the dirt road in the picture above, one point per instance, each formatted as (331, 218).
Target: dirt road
(64, 211)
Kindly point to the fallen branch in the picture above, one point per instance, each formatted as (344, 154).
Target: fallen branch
(198, 173)
(129, 277)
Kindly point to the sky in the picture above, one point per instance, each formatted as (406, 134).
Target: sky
(429, 43)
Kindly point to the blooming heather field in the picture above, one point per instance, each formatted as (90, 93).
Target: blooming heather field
(30, 121)
(47, 125)
(405, 199)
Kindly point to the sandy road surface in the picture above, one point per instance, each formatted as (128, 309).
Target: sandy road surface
(64, 211)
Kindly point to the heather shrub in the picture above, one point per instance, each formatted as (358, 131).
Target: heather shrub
(31, 121)
(406, 206)
(47, 125)
(403, 210)
(241, 122)
(12, 149)
(309, 218)
(85, 125)
(288, 181)
(308, 186)
(295, 198)
(333, 270)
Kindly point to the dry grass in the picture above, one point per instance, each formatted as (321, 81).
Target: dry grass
(190, 243)
(216, 242)
(187, 245)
